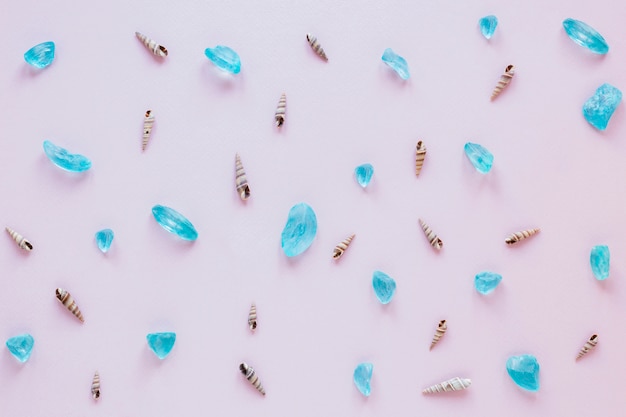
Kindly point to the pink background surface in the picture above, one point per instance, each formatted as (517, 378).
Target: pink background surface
(317, 319)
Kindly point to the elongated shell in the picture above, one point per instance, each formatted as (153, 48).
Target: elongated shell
(66, 299)
(20, 240)
(454, 384)
(433, 239)
(148, 121)
(519, 236)
(315, 45)
(279, 116)
(241, 181)
(152, 46)
(252, 317)
(251, 376)
(95, 386)
(505, 79)
(589, 345)
(442, 327)
(420, 154)
(342, 246)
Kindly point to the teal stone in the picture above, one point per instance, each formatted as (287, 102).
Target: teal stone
(488, 25)
(104, 238)
(486, 282)
(364, 174)
(224, 58)
(40, 56)
(300, 230)
(161, 343)
(384, 287)
(524, 371)
(601, 106)
(174, 222)
(397, 63)
(600, 260)
(362, 377)
(479, 156)
(21, 346)
(586, 36)
(63, 159)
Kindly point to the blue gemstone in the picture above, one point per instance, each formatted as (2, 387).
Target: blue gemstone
(486, 282)
(21, 346)
(480, 157)
(224, 58)
(174, 222)
(397, 63)
(488, 25)
(384, 287)
(586, 36)
(72, 162)
(104, 238)
(40, 56)
(300, 230)
(600, 107)
(364, 174)
(362, 377)
(161, 343)
(600, 260)
(524, 371)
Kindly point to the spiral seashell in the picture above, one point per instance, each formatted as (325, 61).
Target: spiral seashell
(433, 239)
(342, 246)
(442, 327)
(241, 181)
(251, 376)
(95, 386)
(519, 236)
(147, 128)
(20, 240)
(279, 117)
(420, 154)
(589, 344)
(454, 384)
(505, 79)
(154, 47)
(317, 48)
(252, 317)
(66, 299)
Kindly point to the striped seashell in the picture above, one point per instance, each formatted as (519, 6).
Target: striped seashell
(148, 121)
(519, 236)
(241, 181)
(20, 240)
(251, 376)
(589, 344)
(95, 386)
(66, 299)
(315, 45)
(433, 239)
(442, 327)
(279, 117)
(342, 246)
(454, 384)
(152, 46)
(252, 317)
(420, 154)
(505, 79)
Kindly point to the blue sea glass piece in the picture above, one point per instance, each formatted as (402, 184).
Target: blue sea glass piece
(479, 156)
(384, 286)
(104, 238)
(486, 282)
(362, 377)
(586, 36)
(364, 174)
(224, 58)
(60, 157)
(161, 343)
(300, 230)
(488, 25)
(397, 63)
(600, 260)
(40, 56)
(601, 106)
(21, 346)
(174, 222)
(524, 371)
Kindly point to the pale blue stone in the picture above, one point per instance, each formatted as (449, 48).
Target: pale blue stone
(601, 106)
(488, 25)
(600, 260)
(586, 36)
(397, 63)
(104, 238)
(524, 371)
(40, 56)
(72, 162)
(300, 230)
(21, 346)
(362, 377)
(364, 174)
(224, 58)
(479, 156)
(174, 222)
(384, 287)
(161, 343)
(486, 282)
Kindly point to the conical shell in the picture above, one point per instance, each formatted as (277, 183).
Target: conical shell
(19, 239)
(505, 79)
(95, 386)
(241, 181)
(148, 121)
(279, 117)
(252, 317)
(433, 239)
(251, 376)
(420, 154)
(152, 46)
(589, 344)
(342, 246)
(442, 327)
(454, 384)
(315, 45)
(66, 299)
(519, 236)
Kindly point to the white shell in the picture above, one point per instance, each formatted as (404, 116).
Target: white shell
(152, 46)
(420, 155)
(513, 238)
(251, 376)
(342, 246)
(454, 384)
(241, 180)
(433, 239)
(148, 121)
(281, 109)
(442, 328)
(20, 240)
(589, 345)
(505, 79)
(315, 45)
(95, 386)
(252, 317)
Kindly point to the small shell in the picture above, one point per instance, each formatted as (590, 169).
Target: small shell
(95, 386)
(433, 239)
(315, 45)
(454, 384)
(66, 299)
(241, 181)
(442, 327)
(519, 236)
(148, 121)
(420, 154)
(19, 239)
(252, 317)
(342, 246)
(589, 344)
(154, 47)
(251, 376)
(505, 79)
(279, 117)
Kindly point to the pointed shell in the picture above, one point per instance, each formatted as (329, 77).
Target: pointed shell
(420, 155)
(251, 376)
(519, 236)
(252, 317)
(589, 345)
(433, 239)
(148, 121)
(241, 181)
(20, 240)
(279, 116)
(342, 246)
(66, 299)
(442, 327)
(505, 79)
(95, 386)
(152, 46)
(454, 384)
(315, 45)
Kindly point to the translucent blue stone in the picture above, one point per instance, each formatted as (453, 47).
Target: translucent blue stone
(104, 238)
(524, 371)
(397, 63)
(63, 159)
(600, 260)
(21, 346)
(486, 282)
(40, 56)
(601, 106)
(586, 36)
(174, 222)
(300, 230)
(364, 174)
(488, 25)
(384, 287)
(224, 58)
(479, 156)
(362, 377)
(161, 343)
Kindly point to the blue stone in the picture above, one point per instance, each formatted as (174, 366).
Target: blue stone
(174, 222)
(21, 346)
(362, 377)
(486, 282)
(488, 25)
(479, 156)
(600, 260)
(300, 230)
(72, 162)
(586, 36)
(40, 56)
(224, 58)
(104, 238)
(364, 174)
(384, 287)
(397, 63)
(600, 107)
(524, 371)
(161, 343)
